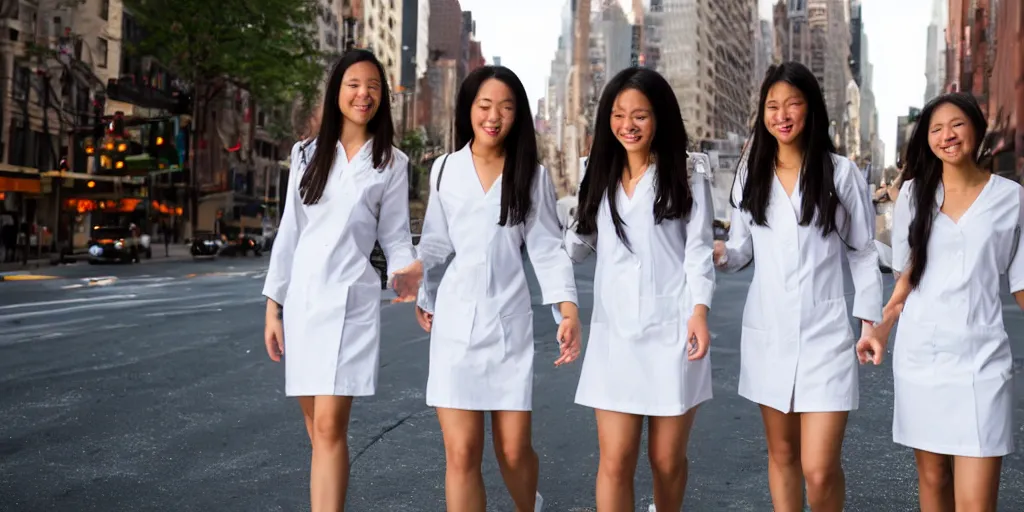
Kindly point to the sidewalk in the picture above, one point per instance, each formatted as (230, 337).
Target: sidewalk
(175, 252)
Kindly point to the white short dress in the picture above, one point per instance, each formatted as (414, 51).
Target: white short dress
(481, 341)
(636, 356)
(952, 365)
(320, 271)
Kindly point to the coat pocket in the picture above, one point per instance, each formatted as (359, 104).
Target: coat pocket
(666, 324)
(517, 333)
(453, 318)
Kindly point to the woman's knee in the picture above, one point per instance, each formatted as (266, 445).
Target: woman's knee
(464, 456)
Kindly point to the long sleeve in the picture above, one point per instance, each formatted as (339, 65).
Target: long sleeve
(435, 247)
(1015, 271)
(393, 220)
(901, 217)
(544, 244)
(578, 247)
(699, 262)
(739, 249)
(863, 257)
(275, 287)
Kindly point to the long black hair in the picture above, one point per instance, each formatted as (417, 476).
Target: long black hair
(817, 179)
(380, 127)
(673, 198)
(925, 168)
(520, 144)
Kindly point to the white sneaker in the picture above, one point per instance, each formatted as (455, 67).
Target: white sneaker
(538, 504)
(651, 508)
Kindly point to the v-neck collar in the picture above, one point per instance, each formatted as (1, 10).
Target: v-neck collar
(940, 197)
(484, 192)
(359, 152)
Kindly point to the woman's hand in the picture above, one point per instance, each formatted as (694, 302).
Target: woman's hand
(426, 320)
(698, 337)
(719, 253)
(568, 334)
(872, 343)
(273, 332)
(406, 282)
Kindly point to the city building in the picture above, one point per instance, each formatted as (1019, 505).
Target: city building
(382, 34)
(610, 51)
(446, 32)
(705, 49)
(984, 48)
(764, 45)
(934, 67)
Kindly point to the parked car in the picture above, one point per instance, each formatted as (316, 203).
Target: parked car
(205, 245)
(113, 243)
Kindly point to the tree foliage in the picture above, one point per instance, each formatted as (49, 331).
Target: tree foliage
(268, 47)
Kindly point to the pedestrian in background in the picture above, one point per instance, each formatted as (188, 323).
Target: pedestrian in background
(956, 230)
(647, 351)
(353, 191)
(488, 198)
(796, 206)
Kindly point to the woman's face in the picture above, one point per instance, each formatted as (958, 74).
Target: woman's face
(360, 93)
(632, 121)
(950, 135)
(785, 112)
(493, 113)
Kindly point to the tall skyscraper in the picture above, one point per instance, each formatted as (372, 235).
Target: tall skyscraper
(934, 64)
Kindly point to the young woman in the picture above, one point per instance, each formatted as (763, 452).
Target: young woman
(352, 192)
(796, 207)
(652, 287)
(486, 201)
(956, 230)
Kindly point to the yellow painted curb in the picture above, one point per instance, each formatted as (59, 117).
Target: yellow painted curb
(26, 277)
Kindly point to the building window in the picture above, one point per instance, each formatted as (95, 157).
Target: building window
(101, 50)
(104, 9)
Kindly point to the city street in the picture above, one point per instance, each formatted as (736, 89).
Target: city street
(147, 387)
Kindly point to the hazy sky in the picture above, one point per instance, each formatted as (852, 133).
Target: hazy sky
(524, 33)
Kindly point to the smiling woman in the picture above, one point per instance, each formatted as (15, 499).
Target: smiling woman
(351, 193)
(494, 199)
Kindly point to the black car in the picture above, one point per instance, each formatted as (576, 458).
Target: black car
(205, 245)
(113, 244)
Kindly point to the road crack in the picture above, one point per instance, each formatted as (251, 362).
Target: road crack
(384, 431)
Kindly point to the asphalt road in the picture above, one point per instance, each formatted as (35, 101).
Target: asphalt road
(146, 387)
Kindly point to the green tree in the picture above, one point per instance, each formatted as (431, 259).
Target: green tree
(414, 145)
(267, 47)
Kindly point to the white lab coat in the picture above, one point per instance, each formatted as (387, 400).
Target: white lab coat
(952, 365)
(797, 346)
(320, 271)
(636, 359)
(481, 342)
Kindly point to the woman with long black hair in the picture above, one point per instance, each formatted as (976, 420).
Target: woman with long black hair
(652, 287)
(796, 206)
(487, 200)
(956, 231)
(349, 192)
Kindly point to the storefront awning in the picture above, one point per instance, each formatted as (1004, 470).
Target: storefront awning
(19, 179)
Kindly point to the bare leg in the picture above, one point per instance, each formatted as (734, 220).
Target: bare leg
(821, 447)
(934, 482)
(785, 478)
(976, 483)
(463, 433)
(618, 436)
(516, 458)
(328, 482)
(667, 443)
